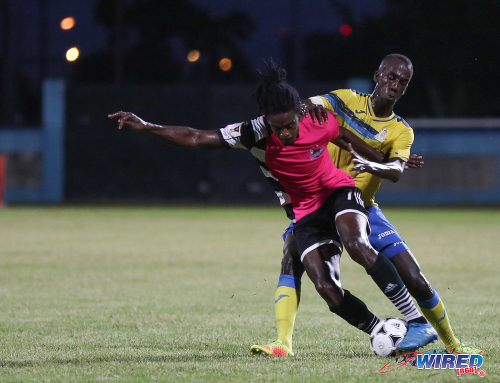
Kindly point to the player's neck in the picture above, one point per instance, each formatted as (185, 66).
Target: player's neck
(382, 107)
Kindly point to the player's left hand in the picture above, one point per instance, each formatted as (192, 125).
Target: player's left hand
(415, 161)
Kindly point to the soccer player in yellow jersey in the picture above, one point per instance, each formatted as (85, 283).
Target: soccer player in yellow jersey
(371, 117)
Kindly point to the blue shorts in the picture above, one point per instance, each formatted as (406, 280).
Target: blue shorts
(383, 237)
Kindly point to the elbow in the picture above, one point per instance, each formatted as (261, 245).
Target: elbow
(194, 139)
(394, 177)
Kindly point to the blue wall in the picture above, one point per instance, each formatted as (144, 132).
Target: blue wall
(48, 140)
(86, 159)
(462, 167)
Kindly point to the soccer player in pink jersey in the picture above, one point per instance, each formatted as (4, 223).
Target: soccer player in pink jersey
(372, 118)
(327, 209)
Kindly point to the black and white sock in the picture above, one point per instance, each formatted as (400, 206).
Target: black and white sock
(388, 280)
(355, 312)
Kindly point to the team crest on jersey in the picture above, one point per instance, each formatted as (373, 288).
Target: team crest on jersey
(380, 137)
(316, 151)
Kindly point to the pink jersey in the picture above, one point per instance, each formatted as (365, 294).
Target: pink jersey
(305, 168)
(302, 175)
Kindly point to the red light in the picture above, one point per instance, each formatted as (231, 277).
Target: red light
(345, 30)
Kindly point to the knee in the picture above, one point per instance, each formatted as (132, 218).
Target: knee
(287, 264)
(291, 264)
(332, 293)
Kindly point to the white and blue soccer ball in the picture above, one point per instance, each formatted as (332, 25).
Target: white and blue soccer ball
(386, 336)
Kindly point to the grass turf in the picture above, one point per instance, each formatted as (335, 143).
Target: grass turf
(180, 294)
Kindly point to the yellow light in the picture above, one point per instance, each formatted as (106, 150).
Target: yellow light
(67, 23)
(193, 55)
(72, 54)
(225, 64)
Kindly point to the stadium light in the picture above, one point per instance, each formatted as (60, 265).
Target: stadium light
(72, 54)
(67, 23)
(225, 64)
(193, 55)
(345, 30)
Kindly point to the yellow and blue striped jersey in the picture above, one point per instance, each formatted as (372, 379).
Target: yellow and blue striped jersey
(391, 135)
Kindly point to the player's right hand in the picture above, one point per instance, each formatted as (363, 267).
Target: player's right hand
(128, 120)
(416, 161)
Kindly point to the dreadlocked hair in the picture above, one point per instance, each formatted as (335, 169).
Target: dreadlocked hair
(274, 94)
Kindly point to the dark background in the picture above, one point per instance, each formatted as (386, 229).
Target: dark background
(133, 57)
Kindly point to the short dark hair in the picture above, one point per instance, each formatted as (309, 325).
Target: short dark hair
(274, 94)
(399, 56)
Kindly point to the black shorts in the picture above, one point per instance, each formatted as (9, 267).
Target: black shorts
(318, 228)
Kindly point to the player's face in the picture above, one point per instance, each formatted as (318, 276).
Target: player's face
(392, 79)
(285, 126)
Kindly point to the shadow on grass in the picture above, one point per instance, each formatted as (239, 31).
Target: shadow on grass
(175, 358)
(179, 357)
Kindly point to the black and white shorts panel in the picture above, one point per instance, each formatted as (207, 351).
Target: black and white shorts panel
(347, 200)
(318, 228)
(315, 230)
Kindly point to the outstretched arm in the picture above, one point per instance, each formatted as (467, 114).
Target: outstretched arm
(177, 135)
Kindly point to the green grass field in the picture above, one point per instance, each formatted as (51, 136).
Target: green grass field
(177, 294)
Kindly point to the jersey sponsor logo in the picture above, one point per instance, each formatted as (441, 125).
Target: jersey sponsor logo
(316, 151)
(380, 137)
(360, 111)
(386, 233)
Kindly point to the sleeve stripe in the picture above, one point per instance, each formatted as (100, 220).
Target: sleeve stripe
(348, 115)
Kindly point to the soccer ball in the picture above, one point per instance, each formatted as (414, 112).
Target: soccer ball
(386, 336)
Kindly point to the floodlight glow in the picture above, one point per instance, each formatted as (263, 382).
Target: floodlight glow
(67, 23)
(193, 55)
(72, 54)
(225, 64)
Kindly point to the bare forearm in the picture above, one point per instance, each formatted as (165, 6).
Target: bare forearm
(363, 149)
(391, 170)
(184, 135)
(177, 135)
(371, 153)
